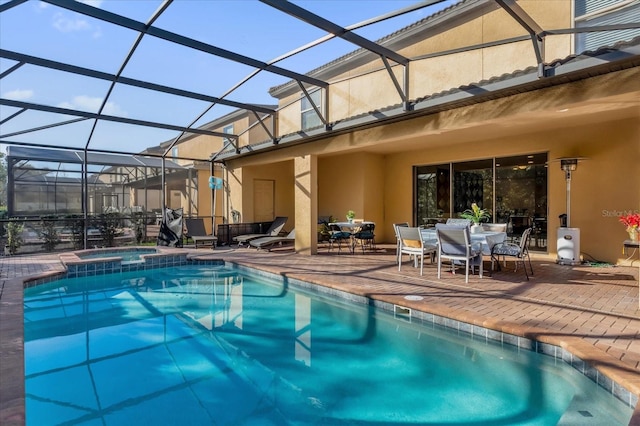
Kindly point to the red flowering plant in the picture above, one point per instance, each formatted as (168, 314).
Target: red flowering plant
(631, 221)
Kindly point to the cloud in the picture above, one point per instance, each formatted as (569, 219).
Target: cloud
(18, 94)
(67, 25)
(87, 103)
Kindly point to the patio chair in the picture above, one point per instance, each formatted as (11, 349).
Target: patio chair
(454, 244)
(273, 231)
(411, 243)
(494, 227)
(197, 232)
(270, 242)
(459, 221)
(395, 230)
(365, 236)
(340, 237)
(518, 252)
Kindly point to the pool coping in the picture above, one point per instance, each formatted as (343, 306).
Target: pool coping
(570, 350)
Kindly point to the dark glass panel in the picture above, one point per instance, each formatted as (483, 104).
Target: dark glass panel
(472, 183)
(432, 194)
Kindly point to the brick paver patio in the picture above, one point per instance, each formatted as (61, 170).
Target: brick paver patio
(592, 311)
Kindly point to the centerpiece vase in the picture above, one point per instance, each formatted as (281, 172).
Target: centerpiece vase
(633, 234)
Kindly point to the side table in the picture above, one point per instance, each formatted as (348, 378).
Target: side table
(633, 246)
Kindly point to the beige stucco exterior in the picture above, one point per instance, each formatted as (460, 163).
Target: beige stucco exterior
(370, 170)
(379, 185)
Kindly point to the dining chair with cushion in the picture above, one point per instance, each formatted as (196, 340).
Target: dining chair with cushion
(454, 244)
(411, 243)
(338, 236)
(395, 230)
(458, 221)
(518, 252)
(365, 236)
(494, 227)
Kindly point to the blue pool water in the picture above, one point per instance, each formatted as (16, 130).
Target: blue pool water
(207, 345)
(131, 255)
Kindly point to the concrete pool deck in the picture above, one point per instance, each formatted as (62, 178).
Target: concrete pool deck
(591, 311)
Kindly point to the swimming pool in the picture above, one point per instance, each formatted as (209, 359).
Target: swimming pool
(210, 345)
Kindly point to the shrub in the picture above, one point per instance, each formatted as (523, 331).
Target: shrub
(48, 233)
(75, 224)
(14, 236)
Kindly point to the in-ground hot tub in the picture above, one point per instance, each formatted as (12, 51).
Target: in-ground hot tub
(120, 259)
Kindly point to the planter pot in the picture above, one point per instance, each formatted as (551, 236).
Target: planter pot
(475, 229)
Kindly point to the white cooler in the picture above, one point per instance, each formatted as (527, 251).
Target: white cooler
(568, 246)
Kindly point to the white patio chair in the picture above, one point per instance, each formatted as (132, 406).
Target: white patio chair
(454, 244)
(395, 230)
(411, 243)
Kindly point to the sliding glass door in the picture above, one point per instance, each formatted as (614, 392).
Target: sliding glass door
(433, 194)
(513, 189)
(521, 201)
(472, 183)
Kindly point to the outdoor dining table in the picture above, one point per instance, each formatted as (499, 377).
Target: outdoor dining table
(487, 238)
(349, 227)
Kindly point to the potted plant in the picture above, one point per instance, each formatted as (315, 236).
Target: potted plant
(632, 222)
(476, 215)
(350, 215)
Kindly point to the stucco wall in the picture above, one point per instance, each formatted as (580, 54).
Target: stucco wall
(369, 86)
(351, 182)
(605, 184)
(241, 182)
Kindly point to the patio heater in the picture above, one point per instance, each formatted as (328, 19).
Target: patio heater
(568, 238)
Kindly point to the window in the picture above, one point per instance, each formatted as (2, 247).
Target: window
(174, 152)
(310, 118)
(591, 13)
(513, 189)
(229, 131)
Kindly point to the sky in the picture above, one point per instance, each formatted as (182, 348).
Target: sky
(247, 27)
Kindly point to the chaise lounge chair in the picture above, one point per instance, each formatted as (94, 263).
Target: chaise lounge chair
(196, 231)
(273, 231)
(270, 242)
